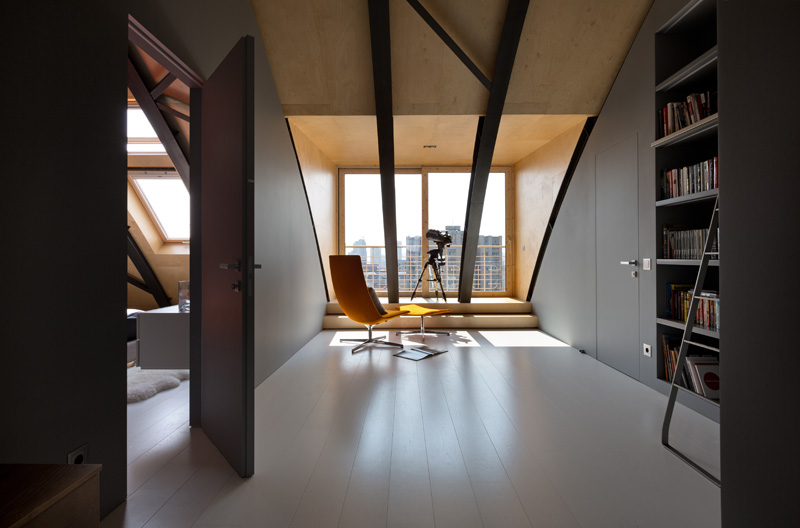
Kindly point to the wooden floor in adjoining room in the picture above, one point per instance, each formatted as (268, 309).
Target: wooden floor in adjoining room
(509, 428)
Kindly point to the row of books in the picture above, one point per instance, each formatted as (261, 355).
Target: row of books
(679, 299)
(680, 114)
(689, 180)
(700, 374)
(686, 243)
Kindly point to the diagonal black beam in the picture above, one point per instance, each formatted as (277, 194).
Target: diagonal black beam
(382, 78)
(157, 121)
(148, 43)
(162, 85)
(439, 30)
(139, 284)
(482, 162)
(147, 273)
(172, 111)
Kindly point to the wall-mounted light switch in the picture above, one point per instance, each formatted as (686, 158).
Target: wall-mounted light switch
(646, 264)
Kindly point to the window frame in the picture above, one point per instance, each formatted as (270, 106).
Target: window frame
(134, 175)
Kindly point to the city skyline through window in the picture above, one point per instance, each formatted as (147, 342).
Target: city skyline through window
(446, 210)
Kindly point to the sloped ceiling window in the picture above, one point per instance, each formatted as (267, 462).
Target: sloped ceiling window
(142, 139)
(167, 200)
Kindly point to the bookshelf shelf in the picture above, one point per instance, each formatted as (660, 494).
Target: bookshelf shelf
(701, 196)
(686, 59)
(680, 325)
(702, 128)
(705, 64)
(684, 262)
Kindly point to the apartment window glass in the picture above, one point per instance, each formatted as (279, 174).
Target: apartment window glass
(363, 224)
(443, 207)
(448, 193)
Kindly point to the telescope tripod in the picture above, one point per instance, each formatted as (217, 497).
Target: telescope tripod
(434, 264)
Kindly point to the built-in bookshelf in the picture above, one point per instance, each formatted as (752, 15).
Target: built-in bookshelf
(687, 186)
(687, 174)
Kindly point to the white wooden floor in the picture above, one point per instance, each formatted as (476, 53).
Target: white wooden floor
(509, 428)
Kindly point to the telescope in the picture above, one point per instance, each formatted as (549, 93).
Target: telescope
(442, 239)
(436, 257)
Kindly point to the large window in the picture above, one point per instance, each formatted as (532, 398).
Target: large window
(363, 228)
(426, 199)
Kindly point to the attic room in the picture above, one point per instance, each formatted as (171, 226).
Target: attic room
(555, 423)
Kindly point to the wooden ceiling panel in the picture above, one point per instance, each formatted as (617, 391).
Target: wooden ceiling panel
(348, 141)
(519, 135)
(319, 53)
(569, 55)
(352, 141)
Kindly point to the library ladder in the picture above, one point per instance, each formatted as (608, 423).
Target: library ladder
(687, 340)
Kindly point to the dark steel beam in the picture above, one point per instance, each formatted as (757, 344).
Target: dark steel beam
(153, 47)
(562, 192)
(147, 273)
(172, 111)
(157, 121)
(382, 78)
(439, 30)
(482, 162)
(162, 85)
(139, 284)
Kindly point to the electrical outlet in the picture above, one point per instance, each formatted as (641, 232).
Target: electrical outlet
(79, 456)
(647, 350)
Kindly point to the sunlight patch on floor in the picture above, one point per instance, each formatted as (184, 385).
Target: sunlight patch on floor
(521, 338)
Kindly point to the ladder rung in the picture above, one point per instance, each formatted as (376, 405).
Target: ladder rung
(701, 345)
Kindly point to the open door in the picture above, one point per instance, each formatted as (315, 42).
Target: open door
(227, 337)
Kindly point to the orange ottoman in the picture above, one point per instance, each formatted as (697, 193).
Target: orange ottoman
(413, 309)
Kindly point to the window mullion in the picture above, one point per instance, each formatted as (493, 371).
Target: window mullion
(424, 240)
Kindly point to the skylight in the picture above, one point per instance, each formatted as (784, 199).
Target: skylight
(142, 139)
(167, 201)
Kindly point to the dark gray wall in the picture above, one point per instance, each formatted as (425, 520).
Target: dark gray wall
(62, 226)
(290, 295)
(565, 298)
(759, 75)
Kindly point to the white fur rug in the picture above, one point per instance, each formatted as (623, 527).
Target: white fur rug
(143, 384)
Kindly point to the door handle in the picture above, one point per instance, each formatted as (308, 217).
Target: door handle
(633, 262)
(235, 266)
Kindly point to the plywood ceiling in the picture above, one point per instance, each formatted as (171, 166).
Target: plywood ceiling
(319, 52)
(352, 141)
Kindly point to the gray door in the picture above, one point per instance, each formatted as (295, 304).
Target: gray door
(227, 258)
(618, 242)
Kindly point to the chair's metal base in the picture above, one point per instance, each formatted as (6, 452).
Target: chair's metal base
(422, 330)
(379, 341)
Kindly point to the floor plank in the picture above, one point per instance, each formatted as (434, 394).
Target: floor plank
(505, 429)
